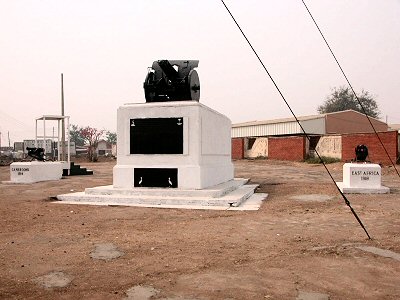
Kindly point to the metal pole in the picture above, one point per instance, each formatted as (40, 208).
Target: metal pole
(52, 146)
(36, 143)
(44, 135)
(69, 145)
(62, 121)
(58, 140)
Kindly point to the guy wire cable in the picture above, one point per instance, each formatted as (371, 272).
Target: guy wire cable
(351, 87)
(347, 202)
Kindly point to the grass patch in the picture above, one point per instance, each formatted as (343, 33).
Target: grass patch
(325, 159)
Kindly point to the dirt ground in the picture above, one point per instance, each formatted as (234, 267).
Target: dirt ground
(288, 249)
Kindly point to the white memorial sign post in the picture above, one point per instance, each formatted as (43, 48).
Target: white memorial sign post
(362, 178)
(40, 170)
(35, 171)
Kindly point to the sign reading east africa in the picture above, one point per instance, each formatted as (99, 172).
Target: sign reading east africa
(365, 173)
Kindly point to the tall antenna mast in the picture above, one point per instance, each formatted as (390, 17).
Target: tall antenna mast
(62, 121)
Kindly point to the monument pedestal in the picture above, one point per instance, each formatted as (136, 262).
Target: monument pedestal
(35, 171)
(172, 155)
(184, 141)
(232, 195)
(362, 178)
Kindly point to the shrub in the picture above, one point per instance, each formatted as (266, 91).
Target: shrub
(325, 159)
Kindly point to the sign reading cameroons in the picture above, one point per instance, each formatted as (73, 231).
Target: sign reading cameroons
(19, 171)
(35, 171)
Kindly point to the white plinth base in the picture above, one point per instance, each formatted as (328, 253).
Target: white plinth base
(232, 195)
(204, 160)
(189, 176)
(362, 190)
(362, 178)
(35, 171)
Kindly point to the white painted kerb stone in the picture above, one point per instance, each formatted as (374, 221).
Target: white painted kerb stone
(35, 171)
(362, 178)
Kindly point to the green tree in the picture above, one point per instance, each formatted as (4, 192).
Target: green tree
(75, 135)
(342, 98)
(111, 137)
(91, 137)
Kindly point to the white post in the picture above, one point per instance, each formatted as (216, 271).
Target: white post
(69, 146)
(52, 145)
(58, 140)
(36, 145)
(44, 134)
(62, 122)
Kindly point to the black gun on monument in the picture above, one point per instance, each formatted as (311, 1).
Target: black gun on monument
(36, 153)
(172, 80)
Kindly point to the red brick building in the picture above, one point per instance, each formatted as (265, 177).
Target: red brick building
(333, 134)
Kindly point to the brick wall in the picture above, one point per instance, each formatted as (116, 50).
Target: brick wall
(375, 150)
(287, 148)
(237, 148)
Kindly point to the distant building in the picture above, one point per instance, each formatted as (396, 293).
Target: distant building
(6, 149)
(284, 138)
(397, 128)
(394, 127)
(104, 148)
(114, 150)
(348, 121)
(50, 148)
(19, 146)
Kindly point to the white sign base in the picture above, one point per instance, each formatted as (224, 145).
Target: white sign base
(35, 171)
(362, 178)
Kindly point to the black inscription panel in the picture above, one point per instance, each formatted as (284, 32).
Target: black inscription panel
(155, 177)
(156, 136)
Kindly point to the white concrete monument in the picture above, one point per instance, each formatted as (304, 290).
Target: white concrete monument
(40, 169)
(181, 144)
(362, 178)
(172, 155)
(35, 171)
(172, 151)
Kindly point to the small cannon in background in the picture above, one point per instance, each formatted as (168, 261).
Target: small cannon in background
(36, 153)
(361, 153)
(172, 80)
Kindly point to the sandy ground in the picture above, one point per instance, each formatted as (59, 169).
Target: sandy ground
(292, 248)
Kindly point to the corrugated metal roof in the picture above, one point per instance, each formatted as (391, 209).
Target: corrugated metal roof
(277, 121)
(313, 124)
(285, 126)
(266, 129)
(301, 118)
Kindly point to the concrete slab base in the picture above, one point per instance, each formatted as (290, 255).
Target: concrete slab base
(312, 296)
(380, 252)
(363, 190)
(232, 195)
(35, 171)
(312, 198)
(54, 279)
(106, 251)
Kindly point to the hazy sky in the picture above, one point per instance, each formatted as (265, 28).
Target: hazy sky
(103, 48)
